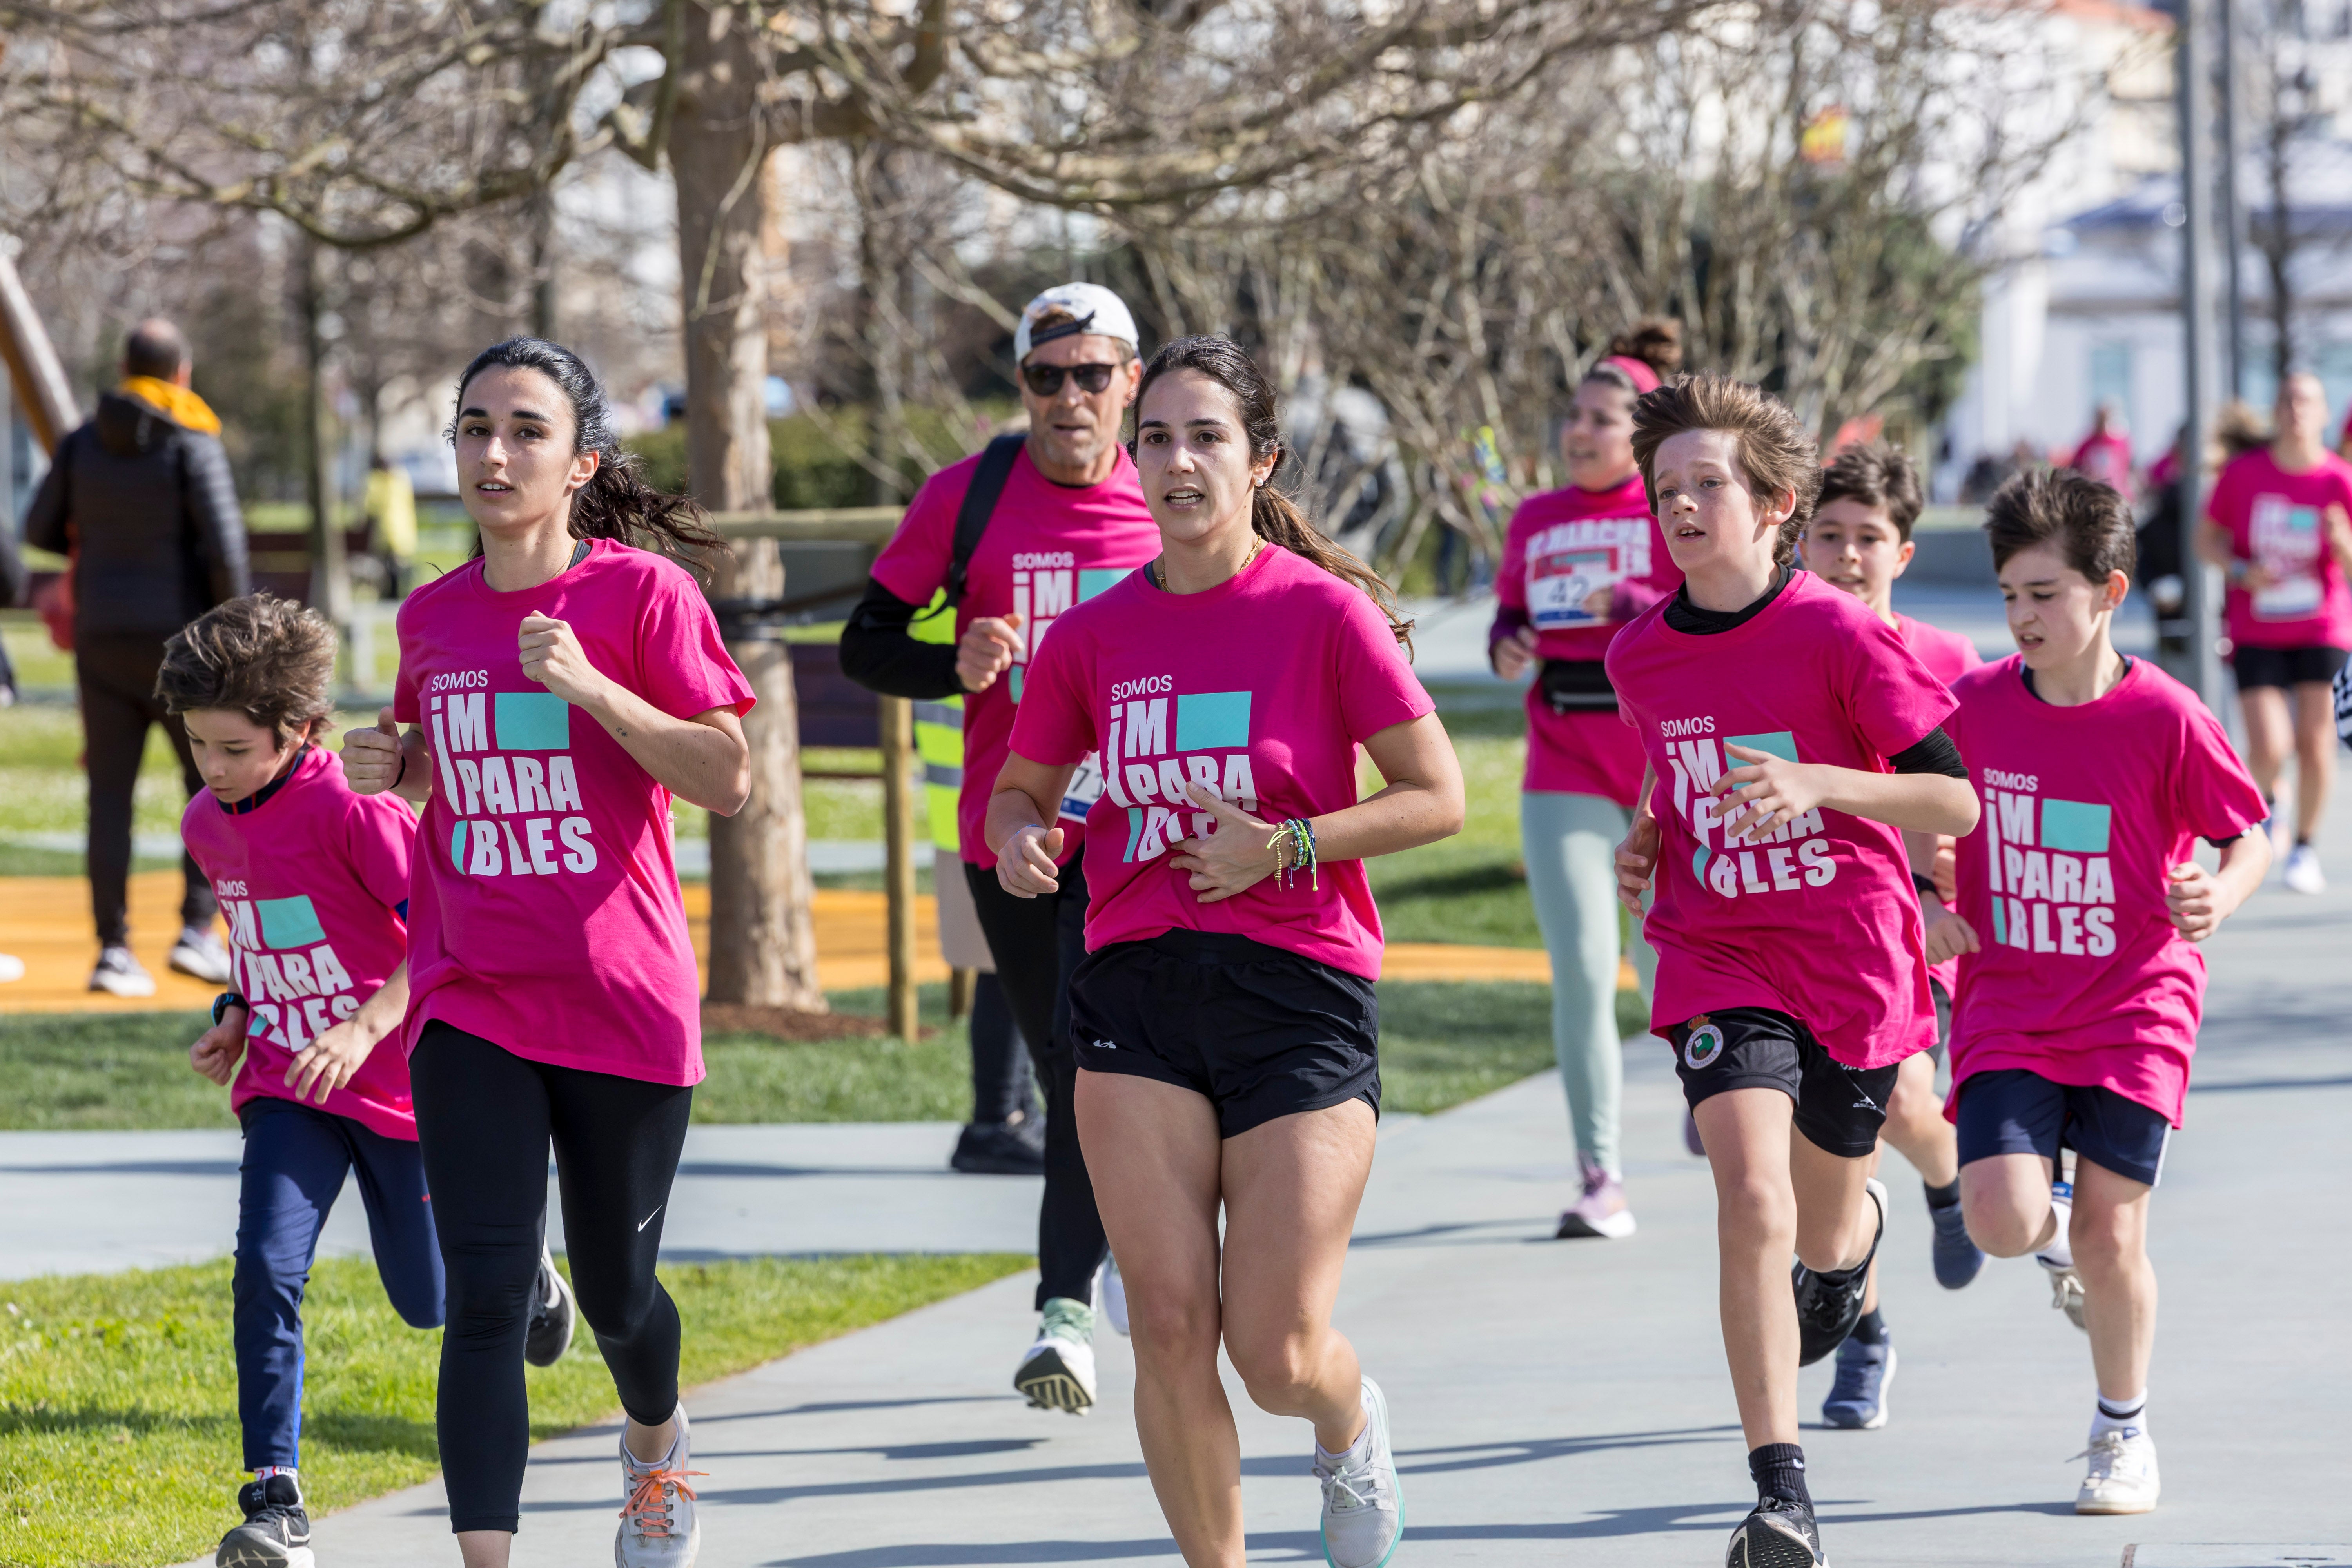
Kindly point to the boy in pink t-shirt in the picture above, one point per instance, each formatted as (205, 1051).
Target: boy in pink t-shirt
(1860, 540)
(2080, 907)
(313, 881)
(1770, 706)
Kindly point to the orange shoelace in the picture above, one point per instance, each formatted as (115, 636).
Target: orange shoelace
(647, 1509)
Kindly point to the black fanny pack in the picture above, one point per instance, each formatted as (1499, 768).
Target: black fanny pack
(1577, 685)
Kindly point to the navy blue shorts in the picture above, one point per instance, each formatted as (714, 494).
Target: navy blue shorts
(2012, 1110)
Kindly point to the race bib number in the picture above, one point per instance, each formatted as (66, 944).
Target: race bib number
(2297, 598)
(1085, 787)
(1560, 581)
(2286, 540)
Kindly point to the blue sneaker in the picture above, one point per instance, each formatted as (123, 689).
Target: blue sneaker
(1857, 1400)
(1956, 1257)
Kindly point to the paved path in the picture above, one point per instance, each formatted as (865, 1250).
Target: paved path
(1566, 1402)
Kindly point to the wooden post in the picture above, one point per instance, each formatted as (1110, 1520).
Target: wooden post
(42, 392)
(899, 840)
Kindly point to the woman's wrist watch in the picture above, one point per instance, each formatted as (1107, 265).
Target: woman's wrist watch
(224, 1002)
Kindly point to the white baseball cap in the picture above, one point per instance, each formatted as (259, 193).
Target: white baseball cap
(1096, 311)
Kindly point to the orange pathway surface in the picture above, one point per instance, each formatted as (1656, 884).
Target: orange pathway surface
(45, 920)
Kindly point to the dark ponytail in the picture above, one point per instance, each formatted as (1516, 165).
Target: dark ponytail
(1274, 516)
(1653, 340)
(616, 503)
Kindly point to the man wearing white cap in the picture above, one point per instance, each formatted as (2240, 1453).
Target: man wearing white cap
(1012, 537)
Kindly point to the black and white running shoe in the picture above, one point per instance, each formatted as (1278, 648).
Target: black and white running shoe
(1779, 1534)
(553, 1316)
(1827, 1311)
(276, 1531)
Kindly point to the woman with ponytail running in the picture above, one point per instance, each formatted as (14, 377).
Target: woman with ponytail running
(1224, 1020)
(558, 691)
(1578, 563)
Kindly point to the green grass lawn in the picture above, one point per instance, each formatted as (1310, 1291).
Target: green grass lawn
(118, 1393)
(1441, 1044)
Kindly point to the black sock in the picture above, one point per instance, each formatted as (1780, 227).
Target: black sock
(2303, 841)
(1780, 1471)
(1945, 1196)
(1870, 1328)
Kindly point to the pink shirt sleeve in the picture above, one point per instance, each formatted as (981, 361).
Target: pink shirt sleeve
(1511, 576)
(1893, 698)
(1377, 690)
(379, 842)
(405, 710)
(2228, 501)
(2211, 790)
(686, 668)
(1054, 724)
(914, 564)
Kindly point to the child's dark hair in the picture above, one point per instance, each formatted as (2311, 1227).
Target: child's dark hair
(1274, 516)
(270, 659)
(616, 503)
(1775, 455)
(1655, 340)
(2089, 524)
(1877, 475)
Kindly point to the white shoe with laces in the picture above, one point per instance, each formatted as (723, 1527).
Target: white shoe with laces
(118, 973)
(11, 968)
(200, 955)
(2302, 873)
(2122, 1478)
(658, 1528)
(1363, 1515)
(1111, 1294)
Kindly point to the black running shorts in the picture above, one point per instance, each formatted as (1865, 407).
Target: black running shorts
(1839, 1108)
(1257, 1031)
(2286, 667)
(2013, 1110)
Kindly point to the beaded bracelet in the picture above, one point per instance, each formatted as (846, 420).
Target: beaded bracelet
(1298, 836)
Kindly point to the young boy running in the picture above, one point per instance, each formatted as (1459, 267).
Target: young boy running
(1860, 540)
(2081, 908)
(1769, 705)
(314, 882)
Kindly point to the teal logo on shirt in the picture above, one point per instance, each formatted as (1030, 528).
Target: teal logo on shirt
(2072, 825)
(1781, 744)
(533, 722)
(1209, 720)
(290, 922)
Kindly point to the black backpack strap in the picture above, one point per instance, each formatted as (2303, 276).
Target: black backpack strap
(988, 479)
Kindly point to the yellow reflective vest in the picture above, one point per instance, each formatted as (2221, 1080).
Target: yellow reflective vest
(938, 734)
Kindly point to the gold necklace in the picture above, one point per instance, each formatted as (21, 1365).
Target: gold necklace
(1156, 569)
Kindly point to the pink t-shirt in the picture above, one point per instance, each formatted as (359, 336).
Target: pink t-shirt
(311, 881)
(1260, 689)
(1947, 656)
(2081, 976)
(2107, 458)
(2279, 521)
(1048, 547)
(1819, 920)
(1561, 546)
(546, 916)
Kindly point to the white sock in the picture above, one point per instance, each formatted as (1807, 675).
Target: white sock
(1356, 1450)
(2128, 1416)
(263, 1472)
(2059, 1253)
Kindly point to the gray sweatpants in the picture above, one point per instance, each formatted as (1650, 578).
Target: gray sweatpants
(1569, 842)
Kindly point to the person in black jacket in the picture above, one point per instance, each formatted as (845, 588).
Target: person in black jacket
(141, 499)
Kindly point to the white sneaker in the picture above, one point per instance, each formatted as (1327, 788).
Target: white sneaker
(200, 955)
(2122, 1478)
(2302, 873)
(119, 973)
(1110, 1295)
(1363, 1514)
(11, 968)
(658, 1528)
(2065, 1291)
(1058, 1371)
(2057, 1259)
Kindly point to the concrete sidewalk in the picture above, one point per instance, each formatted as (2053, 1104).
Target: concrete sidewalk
(1566, 1402)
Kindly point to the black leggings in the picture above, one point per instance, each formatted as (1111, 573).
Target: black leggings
(117, 676)
(1036, 943)
(485, 1118)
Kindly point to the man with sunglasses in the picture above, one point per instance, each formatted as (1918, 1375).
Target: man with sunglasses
(1068, 523)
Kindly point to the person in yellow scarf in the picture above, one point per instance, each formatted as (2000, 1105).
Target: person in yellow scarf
(140, 498)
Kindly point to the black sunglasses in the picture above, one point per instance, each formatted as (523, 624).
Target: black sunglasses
(1045, 380)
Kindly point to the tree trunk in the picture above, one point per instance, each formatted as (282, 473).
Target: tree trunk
(762, 941)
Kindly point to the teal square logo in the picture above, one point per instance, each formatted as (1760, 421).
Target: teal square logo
(533, 722)
(1093, 580)
(1781, 744)
(1212, 720)
(290, 922)
(2071, 824)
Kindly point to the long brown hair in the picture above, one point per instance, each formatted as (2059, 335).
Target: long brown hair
(1274, 516)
